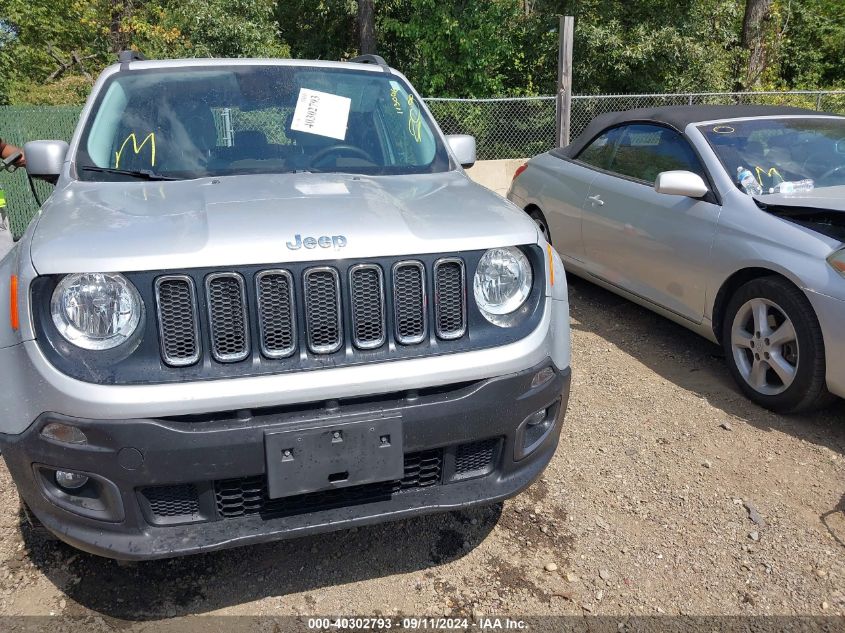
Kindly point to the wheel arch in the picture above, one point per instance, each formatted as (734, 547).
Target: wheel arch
(734, 283)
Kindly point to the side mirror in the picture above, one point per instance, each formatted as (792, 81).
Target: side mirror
(44, 159)
(463, 147)
(681, 183)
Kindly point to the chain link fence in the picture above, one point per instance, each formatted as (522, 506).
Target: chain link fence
(516, 127)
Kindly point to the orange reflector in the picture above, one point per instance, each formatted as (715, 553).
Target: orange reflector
(13, 303)
(551, 264)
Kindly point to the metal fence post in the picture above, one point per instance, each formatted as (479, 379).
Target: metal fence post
(564, 74)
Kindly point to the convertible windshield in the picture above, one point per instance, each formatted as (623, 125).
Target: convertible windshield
(220, 121)
(782, 154)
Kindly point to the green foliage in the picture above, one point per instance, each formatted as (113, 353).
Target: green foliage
(50, 32)
(461, 48)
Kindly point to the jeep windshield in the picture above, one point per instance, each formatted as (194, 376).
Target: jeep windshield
(806, 151)
(191, 122)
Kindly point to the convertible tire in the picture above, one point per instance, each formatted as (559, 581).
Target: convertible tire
(774, 346)
(540, 221)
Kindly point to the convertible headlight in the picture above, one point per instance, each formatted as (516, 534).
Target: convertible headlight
(96, 311)
(837, 260)
(502, 282)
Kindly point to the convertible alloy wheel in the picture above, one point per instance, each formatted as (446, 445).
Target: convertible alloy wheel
(765, 346)
(774, 346)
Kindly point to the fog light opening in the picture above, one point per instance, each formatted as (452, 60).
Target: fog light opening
(542, 377)
(64, 433)
(70, 480)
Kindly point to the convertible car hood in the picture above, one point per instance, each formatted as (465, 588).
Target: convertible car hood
(822, 210)
(239, 220)
(827, 198)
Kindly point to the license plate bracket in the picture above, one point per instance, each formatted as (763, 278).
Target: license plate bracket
(333, 455)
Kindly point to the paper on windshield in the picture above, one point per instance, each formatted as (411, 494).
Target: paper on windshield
(321, 113)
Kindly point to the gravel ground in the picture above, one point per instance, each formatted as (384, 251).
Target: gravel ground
(669, 494)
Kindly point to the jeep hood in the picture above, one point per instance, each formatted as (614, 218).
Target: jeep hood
(240, 220)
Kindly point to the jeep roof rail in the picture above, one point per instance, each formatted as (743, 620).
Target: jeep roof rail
(124, 57)
(371, 59)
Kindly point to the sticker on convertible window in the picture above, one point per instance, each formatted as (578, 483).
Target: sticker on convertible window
(723, 129)
(321, 113)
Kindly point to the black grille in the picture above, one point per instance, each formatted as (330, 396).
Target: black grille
(227, 315)
(248, 495)
(409, 302)
(276, 319)
(322, 310)
(450, 294)
(300, 308)
(367, 289)
(169, 502)
(177, 320)
(476, 458)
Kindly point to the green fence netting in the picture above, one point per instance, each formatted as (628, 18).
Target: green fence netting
(19, 124)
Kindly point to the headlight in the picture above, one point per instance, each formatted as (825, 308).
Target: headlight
(96, 310)
(837, 260)
(502, 282)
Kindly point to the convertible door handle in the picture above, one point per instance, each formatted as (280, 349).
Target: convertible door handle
(596, 200)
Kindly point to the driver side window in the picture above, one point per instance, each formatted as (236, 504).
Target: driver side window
(644, 151)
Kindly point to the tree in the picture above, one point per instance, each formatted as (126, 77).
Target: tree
(753, 42)
(366, 27)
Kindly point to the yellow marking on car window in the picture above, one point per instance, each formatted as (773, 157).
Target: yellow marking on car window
(414, 119)
(394, 97)
(723, 129)
(771, 173)
(151, 138)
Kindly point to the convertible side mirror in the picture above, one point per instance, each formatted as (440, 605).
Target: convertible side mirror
(44, 159)
(463, 146)
(681, 183)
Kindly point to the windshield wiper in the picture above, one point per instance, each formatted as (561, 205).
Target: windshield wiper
(141, 174)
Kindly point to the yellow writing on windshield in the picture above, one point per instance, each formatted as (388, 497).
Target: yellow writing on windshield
(770, 173)
(151, 139)
(414, 119)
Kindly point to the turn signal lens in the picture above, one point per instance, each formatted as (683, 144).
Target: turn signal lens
(542, 377)
(837, 260)
(14, 315)
(64, 433)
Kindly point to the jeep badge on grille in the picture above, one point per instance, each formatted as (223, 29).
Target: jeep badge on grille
(324, 241)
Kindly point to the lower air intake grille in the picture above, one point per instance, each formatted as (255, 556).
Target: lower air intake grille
(169, 502)
(476, 458)
(248, 495)
(227, 316)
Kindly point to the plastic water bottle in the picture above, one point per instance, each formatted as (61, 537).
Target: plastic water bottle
(748, 181)
(794, 186)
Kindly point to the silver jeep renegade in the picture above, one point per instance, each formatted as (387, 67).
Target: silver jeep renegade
(264, 300)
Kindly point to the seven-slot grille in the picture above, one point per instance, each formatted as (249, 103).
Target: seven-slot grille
(379, 301)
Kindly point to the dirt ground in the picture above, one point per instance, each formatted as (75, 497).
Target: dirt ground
(646, 509)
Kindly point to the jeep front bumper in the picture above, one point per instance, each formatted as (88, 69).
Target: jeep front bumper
(162, 487)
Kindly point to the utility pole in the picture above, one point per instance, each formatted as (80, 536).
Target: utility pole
(564, 79)
(366, 27)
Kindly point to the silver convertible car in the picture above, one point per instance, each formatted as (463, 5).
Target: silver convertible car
(729, 220)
